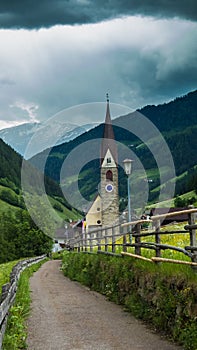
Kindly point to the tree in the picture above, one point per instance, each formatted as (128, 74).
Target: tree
(20, 237)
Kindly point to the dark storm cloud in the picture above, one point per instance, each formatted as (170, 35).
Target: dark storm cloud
(46, 13)
(156, 64)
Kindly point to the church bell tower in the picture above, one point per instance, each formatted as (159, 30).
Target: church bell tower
(109, 174)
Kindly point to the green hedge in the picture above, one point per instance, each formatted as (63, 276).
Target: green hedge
(164, 296)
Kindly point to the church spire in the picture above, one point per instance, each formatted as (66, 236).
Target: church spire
(108, 141)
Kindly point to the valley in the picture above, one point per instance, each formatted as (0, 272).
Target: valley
(176, 123)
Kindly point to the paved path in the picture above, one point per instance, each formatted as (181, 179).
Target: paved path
(67, 315)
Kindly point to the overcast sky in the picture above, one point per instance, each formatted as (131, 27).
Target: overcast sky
(57, 54)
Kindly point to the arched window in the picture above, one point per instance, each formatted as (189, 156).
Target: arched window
(109, 175)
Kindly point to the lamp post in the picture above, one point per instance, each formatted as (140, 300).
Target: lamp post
(128, 168)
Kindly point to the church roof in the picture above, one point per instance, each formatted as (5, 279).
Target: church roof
(108, 141)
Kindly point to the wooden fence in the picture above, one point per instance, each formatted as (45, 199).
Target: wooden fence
(106, 240)
(9, 291)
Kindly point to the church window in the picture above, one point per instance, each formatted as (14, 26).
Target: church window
(109, 175)
(108, 160)
(98, 222)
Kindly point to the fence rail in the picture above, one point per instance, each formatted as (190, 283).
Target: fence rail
(9, 291)
(108, 239)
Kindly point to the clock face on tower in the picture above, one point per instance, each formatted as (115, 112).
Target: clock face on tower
(109, 187)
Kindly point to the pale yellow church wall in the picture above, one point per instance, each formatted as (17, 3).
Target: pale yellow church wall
(93, 216)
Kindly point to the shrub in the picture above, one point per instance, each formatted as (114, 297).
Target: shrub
(58, 207)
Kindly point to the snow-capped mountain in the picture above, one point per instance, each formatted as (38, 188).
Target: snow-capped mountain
(35, 137)
(18, 136)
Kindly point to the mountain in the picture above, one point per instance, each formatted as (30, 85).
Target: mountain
(18, 137)
(29, 219)
(176, 121)
(10, 165)
(174, 115)
(75, 132)
(11, 192)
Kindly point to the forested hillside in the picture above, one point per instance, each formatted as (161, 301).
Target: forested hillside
(10, 164)
(19, 235)
(176, 120)
(175, 115)
(10, 171)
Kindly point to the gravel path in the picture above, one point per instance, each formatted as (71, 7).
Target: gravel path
(67, 315)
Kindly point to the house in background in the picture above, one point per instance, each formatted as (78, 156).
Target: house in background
(65, 234)
(169, 220)
(59, 240)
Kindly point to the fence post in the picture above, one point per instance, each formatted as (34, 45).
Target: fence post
(192, 232)
(157, 238)
(113, 240)
(124, 242)
(82, 242)
(106, 239)
(99, 239)
(85, 240)
(78, 247)
(91, 241)
(138, 240)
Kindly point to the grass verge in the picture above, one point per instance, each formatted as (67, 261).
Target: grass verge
(16, 330)
(5, 270)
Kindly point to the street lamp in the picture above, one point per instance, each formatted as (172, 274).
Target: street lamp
(128, 168)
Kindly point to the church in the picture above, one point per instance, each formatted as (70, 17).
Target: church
(104, 211)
